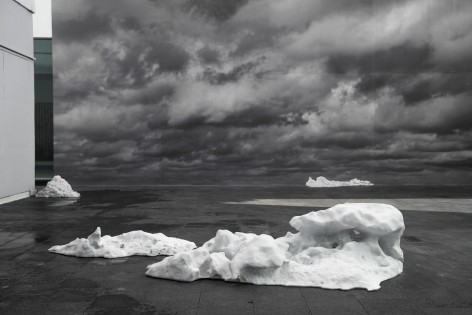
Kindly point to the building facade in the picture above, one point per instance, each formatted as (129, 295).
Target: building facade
(43, 92)
(17, 140)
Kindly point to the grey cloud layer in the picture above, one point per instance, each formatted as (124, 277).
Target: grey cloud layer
(263, 91)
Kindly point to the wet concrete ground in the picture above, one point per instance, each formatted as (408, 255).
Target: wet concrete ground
(437, 277)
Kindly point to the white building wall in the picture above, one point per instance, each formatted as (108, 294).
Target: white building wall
(16, 99)
(28, 4)
(42, 20)
(16, 28)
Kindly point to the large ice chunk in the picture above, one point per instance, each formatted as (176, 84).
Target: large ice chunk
(123, 245)
(57, 187)
(351, 245)
(324, 182)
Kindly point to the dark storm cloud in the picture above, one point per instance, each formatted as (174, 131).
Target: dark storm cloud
(208, 55)
(151, 95)
(262, 91)
(215, 9)
(398, 59)
(235, 74)
(82, 28)
(420, 91)
(130, 23)
(346, 140)
(417, 88)
(260, 37)
(370, 82)
(252, 117)
(142, 62)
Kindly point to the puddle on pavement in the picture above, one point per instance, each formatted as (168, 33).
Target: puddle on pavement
(61, 203)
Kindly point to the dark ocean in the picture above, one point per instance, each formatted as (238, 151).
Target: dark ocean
(241, 193)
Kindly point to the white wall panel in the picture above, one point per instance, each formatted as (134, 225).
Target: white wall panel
(2, 130)
(18, 83)
(16, 98)
(16, 28)
(28, 4)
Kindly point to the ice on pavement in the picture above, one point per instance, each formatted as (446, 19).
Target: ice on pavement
(57, 187)
(324, 182)
(352, 245)
(123, 245)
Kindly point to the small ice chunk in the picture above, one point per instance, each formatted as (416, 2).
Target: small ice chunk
(95, 238)
(57, 187)
(324, 182)
(351, 245)
(123, 245)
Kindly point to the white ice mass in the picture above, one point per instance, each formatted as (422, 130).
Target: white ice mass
(352, 245)
(57, 187)
(324, 182)
(123, 245)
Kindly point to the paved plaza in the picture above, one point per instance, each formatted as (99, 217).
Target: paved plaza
(437, 243)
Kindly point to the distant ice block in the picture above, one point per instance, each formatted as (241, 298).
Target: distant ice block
(352, 245)
(324, 182)
(57, 187)
(123, 245)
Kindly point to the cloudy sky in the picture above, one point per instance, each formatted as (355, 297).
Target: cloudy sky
(263, 91)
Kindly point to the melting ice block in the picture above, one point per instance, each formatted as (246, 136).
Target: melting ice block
(324, 182)
(352, 245)
(123, 245)
(57, 187)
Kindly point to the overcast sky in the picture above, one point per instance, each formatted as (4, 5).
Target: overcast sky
(263, 91)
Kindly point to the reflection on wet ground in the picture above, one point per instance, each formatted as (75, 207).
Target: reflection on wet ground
(436, 204)
(59, 203)
(438, 251)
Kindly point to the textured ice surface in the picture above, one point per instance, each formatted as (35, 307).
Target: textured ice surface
(57, 187)
(352, 245)
(324, 182)
(123, 245)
